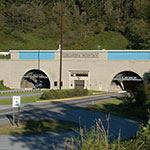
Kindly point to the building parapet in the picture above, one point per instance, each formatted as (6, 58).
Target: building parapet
(81, 54)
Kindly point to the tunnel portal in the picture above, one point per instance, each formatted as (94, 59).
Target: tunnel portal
(35, 79)
(126, 80)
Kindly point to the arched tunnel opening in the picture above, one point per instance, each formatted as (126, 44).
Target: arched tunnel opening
(35, 79)
(127, 81)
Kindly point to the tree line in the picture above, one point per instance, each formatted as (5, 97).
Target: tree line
(82, 18)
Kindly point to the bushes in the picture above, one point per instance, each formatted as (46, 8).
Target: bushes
(2, 87)
(57, 94)
(140, 142)
(142, 96)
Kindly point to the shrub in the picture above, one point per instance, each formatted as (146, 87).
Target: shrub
(2, 87)
(142, 96)
(95, 138)
(57, 94)
(98, 138)
(144, 136)
(17, 35)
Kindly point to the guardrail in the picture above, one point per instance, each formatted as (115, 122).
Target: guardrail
(4, 53)
(98, 93)
(18, 91)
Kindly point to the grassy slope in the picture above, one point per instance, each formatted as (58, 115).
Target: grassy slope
(31, 41)
(115, 106)
(107, 40)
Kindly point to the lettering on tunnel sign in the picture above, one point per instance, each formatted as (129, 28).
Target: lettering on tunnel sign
(16, 101)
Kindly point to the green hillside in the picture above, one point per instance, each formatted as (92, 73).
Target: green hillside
(107, 40)
(87, 24)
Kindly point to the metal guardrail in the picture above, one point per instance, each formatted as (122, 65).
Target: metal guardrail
(18, 91)
(4, 53)
(99, 93)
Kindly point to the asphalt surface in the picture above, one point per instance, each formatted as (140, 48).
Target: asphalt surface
(70, 110)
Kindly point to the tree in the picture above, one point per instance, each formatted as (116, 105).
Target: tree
(2, 21)
(25, 17)
(138, 33)
(146, 78)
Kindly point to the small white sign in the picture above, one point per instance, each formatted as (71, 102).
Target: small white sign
(16, 101)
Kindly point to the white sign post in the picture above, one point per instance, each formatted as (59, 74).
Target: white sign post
(16, 103)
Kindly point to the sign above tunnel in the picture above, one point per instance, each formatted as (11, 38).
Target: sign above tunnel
(36, 76)
(128, 55)
(36, 55)
(127, 78)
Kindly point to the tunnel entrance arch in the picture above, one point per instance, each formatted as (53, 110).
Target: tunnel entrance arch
(126, 80)
(35, 79)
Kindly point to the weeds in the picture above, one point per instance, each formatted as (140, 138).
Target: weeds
(98, 138)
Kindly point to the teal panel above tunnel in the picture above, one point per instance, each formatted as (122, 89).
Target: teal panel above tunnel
(37, 55)
(128, 55)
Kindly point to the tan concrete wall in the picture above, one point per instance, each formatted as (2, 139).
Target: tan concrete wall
(101, 71)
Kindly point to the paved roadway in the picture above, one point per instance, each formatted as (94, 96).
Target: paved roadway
(70, 110)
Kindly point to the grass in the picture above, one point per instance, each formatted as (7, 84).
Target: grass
(2, 87)
(116, 107)
(107, 40)
(113, 41)
(6, 42)
(31, 99)
(94, 91)
(34, 127)
(31, 41)
(24, 100)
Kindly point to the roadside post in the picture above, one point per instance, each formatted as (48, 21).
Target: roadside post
(16, 103)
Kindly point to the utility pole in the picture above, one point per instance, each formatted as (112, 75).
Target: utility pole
(39, 60)
(61, 42)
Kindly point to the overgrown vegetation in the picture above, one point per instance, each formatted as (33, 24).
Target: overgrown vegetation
(142, 95)
(98, 138)
(57, 94)
(35, 24)
(2, 86)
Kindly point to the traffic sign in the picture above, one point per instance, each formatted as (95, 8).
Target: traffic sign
(16, 101)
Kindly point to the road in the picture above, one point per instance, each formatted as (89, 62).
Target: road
(70, 110)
